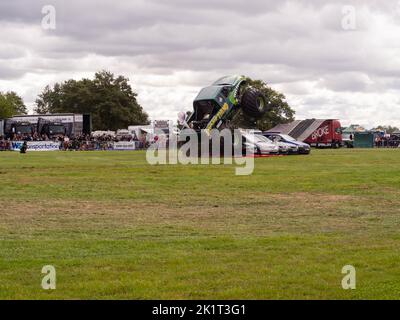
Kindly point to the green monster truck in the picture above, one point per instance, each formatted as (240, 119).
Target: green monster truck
(215, 106)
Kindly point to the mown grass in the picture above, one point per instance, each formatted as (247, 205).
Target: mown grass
(115, 227)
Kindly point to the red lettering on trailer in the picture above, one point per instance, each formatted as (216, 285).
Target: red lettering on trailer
(320, 132)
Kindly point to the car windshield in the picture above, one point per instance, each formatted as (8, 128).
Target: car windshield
(267, 139)
(256, 138)
(230, 80)
(287, 137)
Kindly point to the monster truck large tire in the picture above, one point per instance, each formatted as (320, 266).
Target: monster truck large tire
(254, 103)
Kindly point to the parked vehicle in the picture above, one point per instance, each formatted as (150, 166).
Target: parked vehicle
(315, 132)
(284, 148)
(328, 134)
(295, 146)
(256, 144)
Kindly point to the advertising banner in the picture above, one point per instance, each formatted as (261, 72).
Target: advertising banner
(36, 146)
(122, 145)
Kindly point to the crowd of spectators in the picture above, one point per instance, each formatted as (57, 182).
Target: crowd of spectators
(76, 143)
(86, 142)
(106, 142)
(387, 141)
(5, 144)
(30, 137)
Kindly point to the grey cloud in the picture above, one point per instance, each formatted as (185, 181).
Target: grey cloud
(8, 72)
(347, 81)
(289, 44)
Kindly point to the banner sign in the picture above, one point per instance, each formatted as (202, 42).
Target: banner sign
(122, 145)
(36, 145)
(161, 124)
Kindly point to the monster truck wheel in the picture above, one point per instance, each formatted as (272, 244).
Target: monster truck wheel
(254, 103)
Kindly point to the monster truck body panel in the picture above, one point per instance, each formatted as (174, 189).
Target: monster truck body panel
(216, 103)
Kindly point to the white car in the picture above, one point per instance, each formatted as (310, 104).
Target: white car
(284, 148)
(258, 144)
(302, 148)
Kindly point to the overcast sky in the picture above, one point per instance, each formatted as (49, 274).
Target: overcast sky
(327, 61)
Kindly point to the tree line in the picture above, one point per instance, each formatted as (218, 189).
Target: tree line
(113, 104)
(11, 104)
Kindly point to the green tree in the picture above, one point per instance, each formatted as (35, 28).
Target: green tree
(11, 104)
(387, 129)
(280, 111)
(109, 99)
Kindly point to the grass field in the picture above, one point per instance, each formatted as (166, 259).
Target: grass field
(115, 227)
